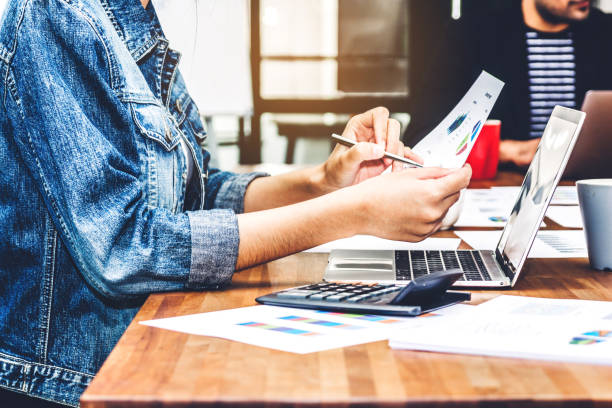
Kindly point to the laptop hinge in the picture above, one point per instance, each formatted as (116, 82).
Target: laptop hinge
(505, 264)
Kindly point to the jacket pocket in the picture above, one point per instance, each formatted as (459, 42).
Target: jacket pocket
(194, 122)
(161, 163)
(153, 122)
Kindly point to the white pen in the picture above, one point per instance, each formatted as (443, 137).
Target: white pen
(350, 143)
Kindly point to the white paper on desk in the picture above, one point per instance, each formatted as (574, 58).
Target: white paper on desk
(293, 330)
(483, 208)
(486, 208)
(545, 307)
(514, 326)
(548, 244)
(563, 195)
(371, 242)
(567, 216)
(450, 143)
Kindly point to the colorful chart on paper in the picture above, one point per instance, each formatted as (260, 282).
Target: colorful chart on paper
(463, 145)
(450, 142)
(498, 219)
(369, 318)
(325, 323)
(592, 337)
(475, 130)
(281, 329)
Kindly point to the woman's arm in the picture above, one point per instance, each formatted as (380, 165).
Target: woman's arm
(344, 167)
(407, 205)
(344, 197)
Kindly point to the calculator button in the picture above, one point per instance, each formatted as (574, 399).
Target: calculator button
(355, 299)
(321, 295)
(315, 286)
(379, 292)
(368, 289)
(296, 294)
(337, 297)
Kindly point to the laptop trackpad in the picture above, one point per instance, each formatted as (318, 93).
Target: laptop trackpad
(360, 265)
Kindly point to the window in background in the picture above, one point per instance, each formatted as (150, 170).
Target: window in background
(373, 46)
(327, 48)
(312, 56)
(299, 47)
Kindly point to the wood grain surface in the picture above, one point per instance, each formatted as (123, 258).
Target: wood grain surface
(155, 367)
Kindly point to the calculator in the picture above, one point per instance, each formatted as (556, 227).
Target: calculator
(419, 296)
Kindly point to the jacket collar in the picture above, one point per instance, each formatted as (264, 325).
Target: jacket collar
(138, 27)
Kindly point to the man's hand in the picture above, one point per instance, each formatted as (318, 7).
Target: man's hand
(517, 151)
(376, 133)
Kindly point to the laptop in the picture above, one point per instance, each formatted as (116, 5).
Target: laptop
(592, 156)
(499, 268)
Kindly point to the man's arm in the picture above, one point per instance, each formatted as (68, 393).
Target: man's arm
(407, 205)
(519, 152)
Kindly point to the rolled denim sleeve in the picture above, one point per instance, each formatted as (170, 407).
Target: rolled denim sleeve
(214, 247)
(214, 233)
(226, 190)
(232, 191)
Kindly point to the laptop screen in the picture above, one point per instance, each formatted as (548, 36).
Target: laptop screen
(539, 184)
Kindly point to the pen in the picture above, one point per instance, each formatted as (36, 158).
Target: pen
(350, 143)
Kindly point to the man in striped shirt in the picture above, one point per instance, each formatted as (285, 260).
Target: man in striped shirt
(551, 68)
(549, 52)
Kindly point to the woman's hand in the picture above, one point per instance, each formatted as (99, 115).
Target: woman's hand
(376, 133)
(405, 206)
(409, 205)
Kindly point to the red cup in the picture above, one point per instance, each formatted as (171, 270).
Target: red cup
(484, 156)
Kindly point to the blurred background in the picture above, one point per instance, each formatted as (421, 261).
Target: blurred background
(273, 78)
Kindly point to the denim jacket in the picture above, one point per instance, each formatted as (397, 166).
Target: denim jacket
(96, 210)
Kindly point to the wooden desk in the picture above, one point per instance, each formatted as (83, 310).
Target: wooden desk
(154, 367)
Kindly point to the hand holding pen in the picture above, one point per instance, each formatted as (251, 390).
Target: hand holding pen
(350, 143)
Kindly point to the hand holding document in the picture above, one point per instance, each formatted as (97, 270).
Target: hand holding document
(450, 143)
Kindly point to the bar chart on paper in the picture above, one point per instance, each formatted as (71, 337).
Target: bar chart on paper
(517, 326)
(293, 330)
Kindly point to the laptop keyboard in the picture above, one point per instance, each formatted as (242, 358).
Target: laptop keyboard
(413, 264)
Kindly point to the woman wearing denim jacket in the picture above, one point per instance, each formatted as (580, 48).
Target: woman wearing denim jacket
(106, 194)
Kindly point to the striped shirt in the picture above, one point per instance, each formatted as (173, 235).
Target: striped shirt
(552, 76)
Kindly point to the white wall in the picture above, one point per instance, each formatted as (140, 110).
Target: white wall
(214, 40)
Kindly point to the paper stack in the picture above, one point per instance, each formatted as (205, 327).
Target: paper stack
(522, 327)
